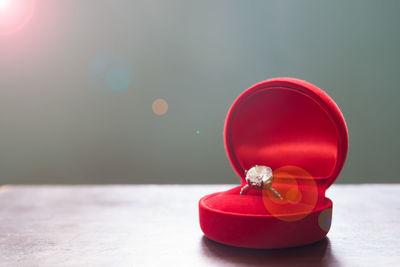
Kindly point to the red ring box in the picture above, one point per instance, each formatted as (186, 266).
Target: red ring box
(296, 129)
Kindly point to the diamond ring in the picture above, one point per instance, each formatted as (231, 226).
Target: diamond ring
(259, 177)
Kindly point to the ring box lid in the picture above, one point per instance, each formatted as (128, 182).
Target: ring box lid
(286, 122)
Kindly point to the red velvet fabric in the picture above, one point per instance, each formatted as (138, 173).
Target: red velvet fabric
(296, 129)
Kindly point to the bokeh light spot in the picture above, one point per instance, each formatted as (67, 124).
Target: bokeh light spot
(160, 106)
(325, 219)
(110, 72)
(197, 132)
(293, 195)
(118, 78)
(299, 191)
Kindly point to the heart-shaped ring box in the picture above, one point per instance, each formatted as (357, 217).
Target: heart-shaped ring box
(296, 129)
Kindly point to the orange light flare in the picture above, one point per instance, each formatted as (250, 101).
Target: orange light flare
(299, 193)
(15, 14)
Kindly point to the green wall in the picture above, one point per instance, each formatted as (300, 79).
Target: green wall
(65, 121)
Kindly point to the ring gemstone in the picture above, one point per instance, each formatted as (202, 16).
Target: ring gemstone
(258, 176)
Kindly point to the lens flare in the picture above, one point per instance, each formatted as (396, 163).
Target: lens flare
(110, 72)
(299, 191)
(160, 106)
(325, 219)
(4, 4)
(118, 78)
(15, 14)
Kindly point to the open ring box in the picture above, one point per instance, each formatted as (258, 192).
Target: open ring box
(296, 129)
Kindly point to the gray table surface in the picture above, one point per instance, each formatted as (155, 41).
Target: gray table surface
(157, 225)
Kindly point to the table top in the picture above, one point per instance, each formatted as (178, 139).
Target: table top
(142, 225)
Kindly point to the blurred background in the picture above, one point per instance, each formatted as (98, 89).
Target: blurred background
(128, 91)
